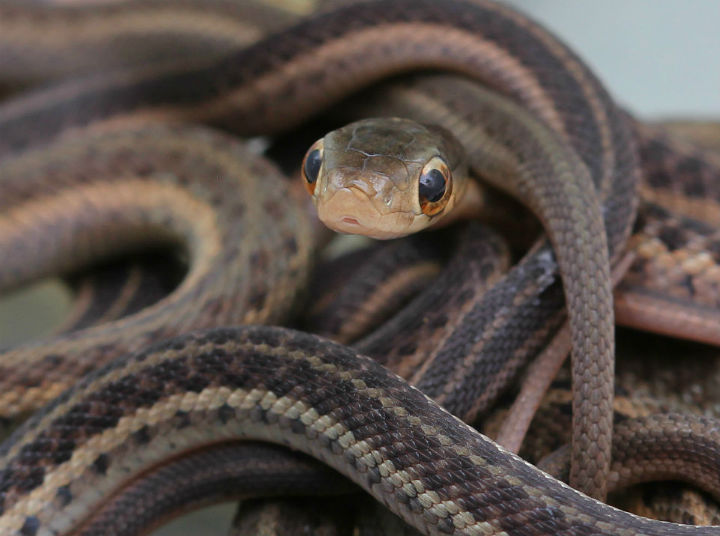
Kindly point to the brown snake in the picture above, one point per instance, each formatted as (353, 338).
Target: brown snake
(602, 141)
(252, 73)
(697, 239)
(557, 188)
(324, 400)
(659, 428)
(43, 43)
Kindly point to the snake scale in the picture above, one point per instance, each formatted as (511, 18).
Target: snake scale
(253, 93)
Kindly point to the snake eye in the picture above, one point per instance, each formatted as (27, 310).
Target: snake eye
(432, 185)
(311, 165)
(435, 186)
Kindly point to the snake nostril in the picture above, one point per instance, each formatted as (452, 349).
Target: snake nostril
(351, 221)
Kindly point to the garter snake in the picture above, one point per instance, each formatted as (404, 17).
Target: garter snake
(321, 398)
(44, 43)
(389, 202)
(61, 119)
(654, 375)
(645, 278)
(278, 82)
(637, 427)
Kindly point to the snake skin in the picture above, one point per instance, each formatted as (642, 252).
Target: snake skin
(18, 142)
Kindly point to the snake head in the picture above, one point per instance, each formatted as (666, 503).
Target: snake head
(383, 177)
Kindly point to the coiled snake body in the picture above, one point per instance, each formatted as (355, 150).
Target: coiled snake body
(278, 385)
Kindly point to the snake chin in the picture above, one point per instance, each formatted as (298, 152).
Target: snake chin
(342, 213)
(351, 225)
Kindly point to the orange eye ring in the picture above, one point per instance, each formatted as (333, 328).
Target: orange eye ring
(434, 186)
(311, 166)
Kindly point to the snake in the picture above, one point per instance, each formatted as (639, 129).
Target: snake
(229, 369)
(364, 280)
(365, 297)
(345, 182)
(49, 42)
(14, 126)
(654, 376)
(254, 111)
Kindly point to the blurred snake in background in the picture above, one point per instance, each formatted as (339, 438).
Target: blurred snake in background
(109, 163)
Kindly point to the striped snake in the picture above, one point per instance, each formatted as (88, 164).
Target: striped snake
(250, 93)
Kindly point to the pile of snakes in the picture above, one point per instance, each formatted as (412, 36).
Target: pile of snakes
(180, 165)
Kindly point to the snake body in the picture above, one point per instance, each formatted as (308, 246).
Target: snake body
(654, 376)
(42, 43)
(276, 83)
(322, 398)
(260, 93)
(184, 204)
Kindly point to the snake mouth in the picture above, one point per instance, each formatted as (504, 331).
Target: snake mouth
(350, 221)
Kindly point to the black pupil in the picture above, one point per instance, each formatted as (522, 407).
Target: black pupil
(432, 185)
(312, 165)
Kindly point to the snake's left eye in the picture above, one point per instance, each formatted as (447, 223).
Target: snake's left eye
(311, 165)
(435, 186)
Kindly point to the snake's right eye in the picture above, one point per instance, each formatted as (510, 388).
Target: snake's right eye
(434, 186)
(312, 164)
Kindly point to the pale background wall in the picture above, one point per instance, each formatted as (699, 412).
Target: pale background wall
(659, 58)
